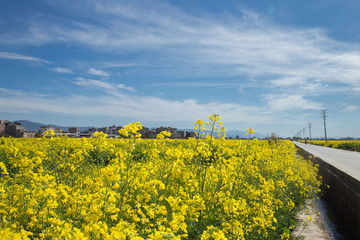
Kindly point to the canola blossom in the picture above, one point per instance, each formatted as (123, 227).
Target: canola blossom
(133, 188)
(353, 145)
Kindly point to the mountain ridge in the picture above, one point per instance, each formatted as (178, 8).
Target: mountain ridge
(35, 126)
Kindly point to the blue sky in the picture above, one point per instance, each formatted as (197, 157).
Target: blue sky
(269, 65)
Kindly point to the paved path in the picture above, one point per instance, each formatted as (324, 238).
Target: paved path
(346, 161)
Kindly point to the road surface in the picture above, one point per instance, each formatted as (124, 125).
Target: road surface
(345, 161)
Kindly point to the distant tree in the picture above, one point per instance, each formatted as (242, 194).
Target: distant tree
(273, 139)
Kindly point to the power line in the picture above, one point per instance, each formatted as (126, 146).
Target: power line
(347, 102)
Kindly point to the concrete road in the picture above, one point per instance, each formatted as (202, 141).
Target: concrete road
(346, 161)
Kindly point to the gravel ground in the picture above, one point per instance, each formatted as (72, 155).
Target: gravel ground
(315, 229)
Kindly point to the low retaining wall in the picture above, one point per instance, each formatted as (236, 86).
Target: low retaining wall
(343, 194)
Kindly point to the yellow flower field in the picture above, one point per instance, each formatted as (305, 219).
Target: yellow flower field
(132, 188)
(353, 145)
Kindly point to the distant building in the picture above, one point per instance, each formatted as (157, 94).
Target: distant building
(173, 131)
(16, 130)
(31, 134)
(144, 132)
(114, 130)
(11, 129)
(46, 128)
(104, 129)
(190, 134)
(57, 131)
(91, 130)
(3, 124)
(74, 131)
(151, 134)
(182, 134)
(175, 134)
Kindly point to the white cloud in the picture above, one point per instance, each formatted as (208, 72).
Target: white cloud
(138, 108)
(16, 56)
(285, 102)
(299, 84)
(62, 70)
(195, 84)
(288, 81)
(351, 108)
(111, 87)
(196, 45)
(120, 65)
(93, 83)
(174, 43)
(97, 72)
(122, 86)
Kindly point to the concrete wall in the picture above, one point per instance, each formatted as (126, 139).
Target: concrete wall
(343, 194)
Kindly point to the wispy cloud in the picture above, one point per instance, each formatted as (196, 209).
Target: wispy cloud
(288, 81)
(195, 84)
(62, 70)
(19, 93)
(93, 83)
(285, 102)
(120, 65)
(300, 85)
(102, 85)
(220, 45)
(137, 108)
(122, 86)
(351, 108)
(199, 46)
(17, 56)
(98, 72)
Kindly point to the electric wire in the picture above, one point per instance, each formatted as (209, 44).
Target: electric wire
(346, 103)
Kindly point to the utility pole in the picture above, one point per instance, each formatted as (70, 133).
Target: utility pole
(310, 130)
(324, 115)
